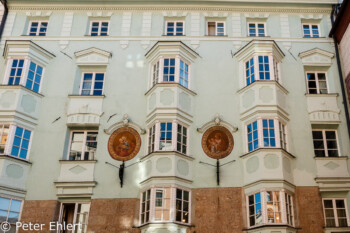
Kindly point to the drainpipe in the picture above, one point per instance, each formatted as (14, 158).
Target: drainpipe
(347, 117)
(4, 17)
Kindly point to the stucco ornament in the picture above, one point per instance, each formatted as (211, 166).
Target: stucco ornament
(124, 144)
(217, 142)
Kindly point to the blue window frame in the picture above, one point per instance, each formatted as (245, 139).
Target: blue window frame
(20, 144)
(269, 137)
(256, 29)
(264, 68)
(165, 142)
(34, 77)
(253, 136)
(255, 209)
(9, 210)
(169, 70)
(311, 30)
(92, 84)
(16, 72)
(38, 29)
(183, 78)
(250, 74)
(175, 29)
(99, 28)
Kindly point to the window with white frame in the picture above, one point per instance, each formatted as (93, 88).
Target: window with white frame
(10, 210)
(256, 29)
(261, 67)
(92, 84)
(215, 28)
(99, 28)
(21, 143)
(37, 28)
(158, 204)
(265, 207)
(83, 145)
(335, 212)
(175, 28)
(24, 72)
(311, 30)
(317, 83)
(75, 213)
(4, 133)
(171, 70)
(325, 143)
(145, 206)
(266, 133)
(168, 136)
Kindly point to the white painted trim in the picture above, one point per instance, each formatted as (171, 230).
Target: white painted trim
(316, 80)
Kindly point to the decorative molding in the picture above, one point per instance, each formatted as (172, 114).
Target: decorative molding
(316, 57)
(284, 25)
(92, 56)
(236, 25)
(126, 24)
(215, 14)
(66, 28)
(146, 28)
(217, 121)
(195, 28)
(126, 121)
(38, 13)
(121, 8)
(311, 16)
(99, 14)
(174, 13)
(257, 15)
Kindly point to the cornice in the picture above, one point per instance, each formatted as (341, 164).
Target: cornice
(111, 8)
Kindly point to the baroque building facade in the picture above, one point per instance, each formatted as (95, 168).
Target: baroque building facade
(162, 116)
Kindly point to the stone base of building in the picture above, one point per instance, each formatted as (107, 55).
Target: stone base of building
(221, 210)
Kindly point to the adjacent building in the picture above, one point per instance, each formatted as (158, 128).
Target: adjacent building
(163, 116)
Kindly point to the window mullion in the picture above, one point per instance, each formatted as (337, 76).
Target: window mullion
(152, 204)
(256, 67)
(260, 133)
(174, 135)
(277, 133)
(271, 68)
(283, 206)
(92, 83)
(25, 71)
(317, 84)
(157, 136)
(83, 146)
(161, 70)
(325, 142)
(177, 69)
(335, 213)
(264, 206)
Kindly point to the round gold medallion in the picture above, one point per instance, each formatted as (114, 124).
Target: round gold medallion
(217, 142)
(124, 144)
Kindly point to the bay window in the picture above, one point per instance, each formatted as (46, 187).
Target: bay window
(92, 84)
(168, 136)
(10, 210)
(335, 212)
(265, 208)
(266, 133)
(261, 67)
(325, 143)
(83, 145)
(317, 83)
(24, 72)
(158, 204)
(15, 140)
(170, 70)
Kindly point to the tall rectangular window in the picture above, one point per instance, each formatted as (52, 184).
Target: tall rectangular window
(182, 206)
(175, 28)
(253, 137)
(155, 73)
(256, 29)
(335, 212)
(151, 138)
(325, 143)
(75, 213)
(269, 133)
(165, 142)
(10, 210)
(4, 132)
(38, 28)
(92, 84)
(283, 136)
(216, 28)
(99, 28)
(181, 139)
(255, 209)
(317, 83)
(289, 209)
(169, 70)
(83, 145)
(34, 77)
(311, 30)
(183, 77)
(264, 68)
(145, 206)
(16, 72)
(273, 207)
(250, 74)
(21, 142)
